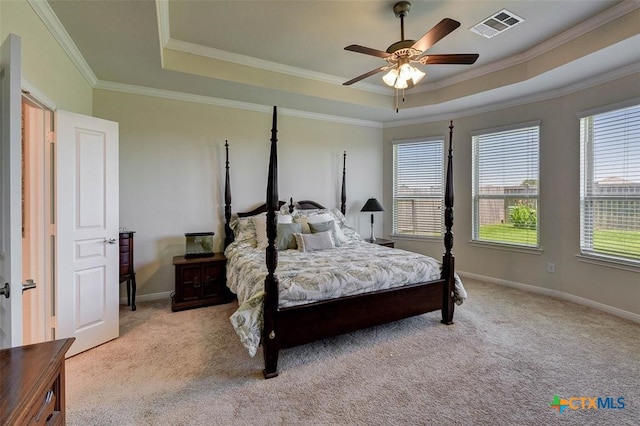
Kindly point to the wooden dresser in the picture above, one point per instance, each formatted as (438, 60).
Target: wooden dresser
(200, 282)
(126, 267)
(32, 383)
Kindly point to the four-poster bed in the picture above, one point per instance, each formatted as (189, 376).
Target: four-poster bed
(292, 317)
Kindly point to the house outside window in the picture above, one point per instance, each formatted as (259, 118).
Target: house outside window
(610, 184)
(418, 189)
(505, 185)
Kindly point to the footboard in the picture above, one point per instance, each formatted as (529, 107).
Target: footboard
(315, 321)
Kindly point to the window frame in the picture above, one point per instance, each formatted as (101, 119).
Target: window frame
(439, 197)
(585, 245)
(476, 197)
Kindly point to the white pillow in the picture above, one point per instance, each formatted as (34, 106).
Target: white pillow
(314, 242)
(260, 223)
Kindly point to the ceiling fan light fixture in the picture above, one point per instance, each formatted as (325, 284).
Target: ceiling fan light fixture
(400, 74)
(397, 77)
(401, 84)
(391, 77)
(417, 75)
(395, 80)
(406, 71)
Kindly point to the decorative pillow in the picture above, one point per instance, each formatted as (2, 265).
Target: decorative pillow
(323, 227)
(325, 216)
(315, 217)
(285, 238)
(314, 242)
(260, 225)
(243, 229)
(344, 232)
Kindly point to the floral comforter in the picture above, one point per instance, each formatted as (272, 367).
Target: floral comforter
(305, 277)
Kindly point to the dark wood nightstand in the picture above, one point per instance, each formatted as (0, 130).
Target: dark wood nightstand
(383, 242)
(126, 267)
(200, 282)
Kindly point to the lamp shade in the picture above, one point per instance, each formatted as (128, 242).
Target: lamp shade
(372, 205)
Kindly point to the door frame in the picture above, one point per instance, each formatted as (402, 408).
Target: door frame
(38, 153)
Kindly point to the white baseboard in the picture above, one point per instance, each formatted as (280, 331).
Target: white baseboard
(148, 297)
(555, 293)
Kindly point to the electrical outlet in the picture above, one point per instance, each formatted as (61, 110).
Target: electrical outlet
(551, 267)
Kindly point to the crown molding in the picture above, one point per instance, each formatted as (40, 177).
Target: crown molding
(222, 55)
(579, 30)
(585, 27)
(226, 103)
(538, 97)
(166, 42)
(162, 10)
(456, 114)
(57, 30)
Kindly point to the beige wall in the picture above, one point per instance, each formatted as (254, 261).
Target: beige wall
(45, 66)
(559, 200)
(172, 170)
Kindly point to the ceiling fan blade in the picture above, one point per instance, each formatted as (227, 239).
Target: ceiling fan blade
(458, 58)
(436, 34)
(367, 51)
(363, 76)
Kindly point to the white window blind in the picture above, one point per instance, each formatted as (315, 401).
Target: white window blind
(418, 188)
(505, 186)
(610, 184)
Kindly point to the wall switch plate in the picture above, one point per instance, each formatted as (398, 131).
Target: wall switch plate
(551, 267)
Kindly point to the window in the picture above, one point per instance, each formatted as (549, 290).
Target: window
(418, 188)
(505, 186)
(610, 184)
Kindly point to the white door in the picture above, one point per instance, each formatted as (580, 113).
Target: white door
(10, 195)
(87, 230)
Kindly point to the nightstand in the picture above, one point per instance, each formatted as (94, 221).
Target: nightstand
(383, 242)
(200, 282)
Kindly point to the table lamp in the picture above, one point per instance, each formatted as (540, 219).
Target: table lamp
(372, 205)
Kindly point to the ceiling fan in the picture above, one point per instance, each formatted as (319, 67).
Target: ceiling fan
(401, 54)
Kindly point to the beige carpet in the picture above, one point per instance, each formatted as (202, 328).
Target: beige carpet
(502, 362)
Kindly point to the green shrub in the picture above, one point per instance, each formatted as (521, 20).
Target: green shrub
(523, 217)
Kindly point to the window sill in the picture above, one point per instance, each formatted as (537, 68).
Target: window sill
(609, 262)
(507, 247)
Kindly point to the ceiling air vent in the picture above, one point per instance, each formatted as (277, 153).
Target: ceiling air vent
(497, 23)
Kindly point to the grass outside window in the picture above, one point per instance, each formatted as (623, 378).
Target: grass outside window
(605, 241)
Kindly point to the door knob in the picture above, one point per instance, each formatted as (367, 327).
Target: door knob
(110, 241)
(28, 284)
(5, 290)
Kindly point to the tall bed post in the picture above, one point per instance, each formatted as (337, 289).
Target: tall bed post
(343, 194)
(270, 333)
(228, 233)
(448, 258)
